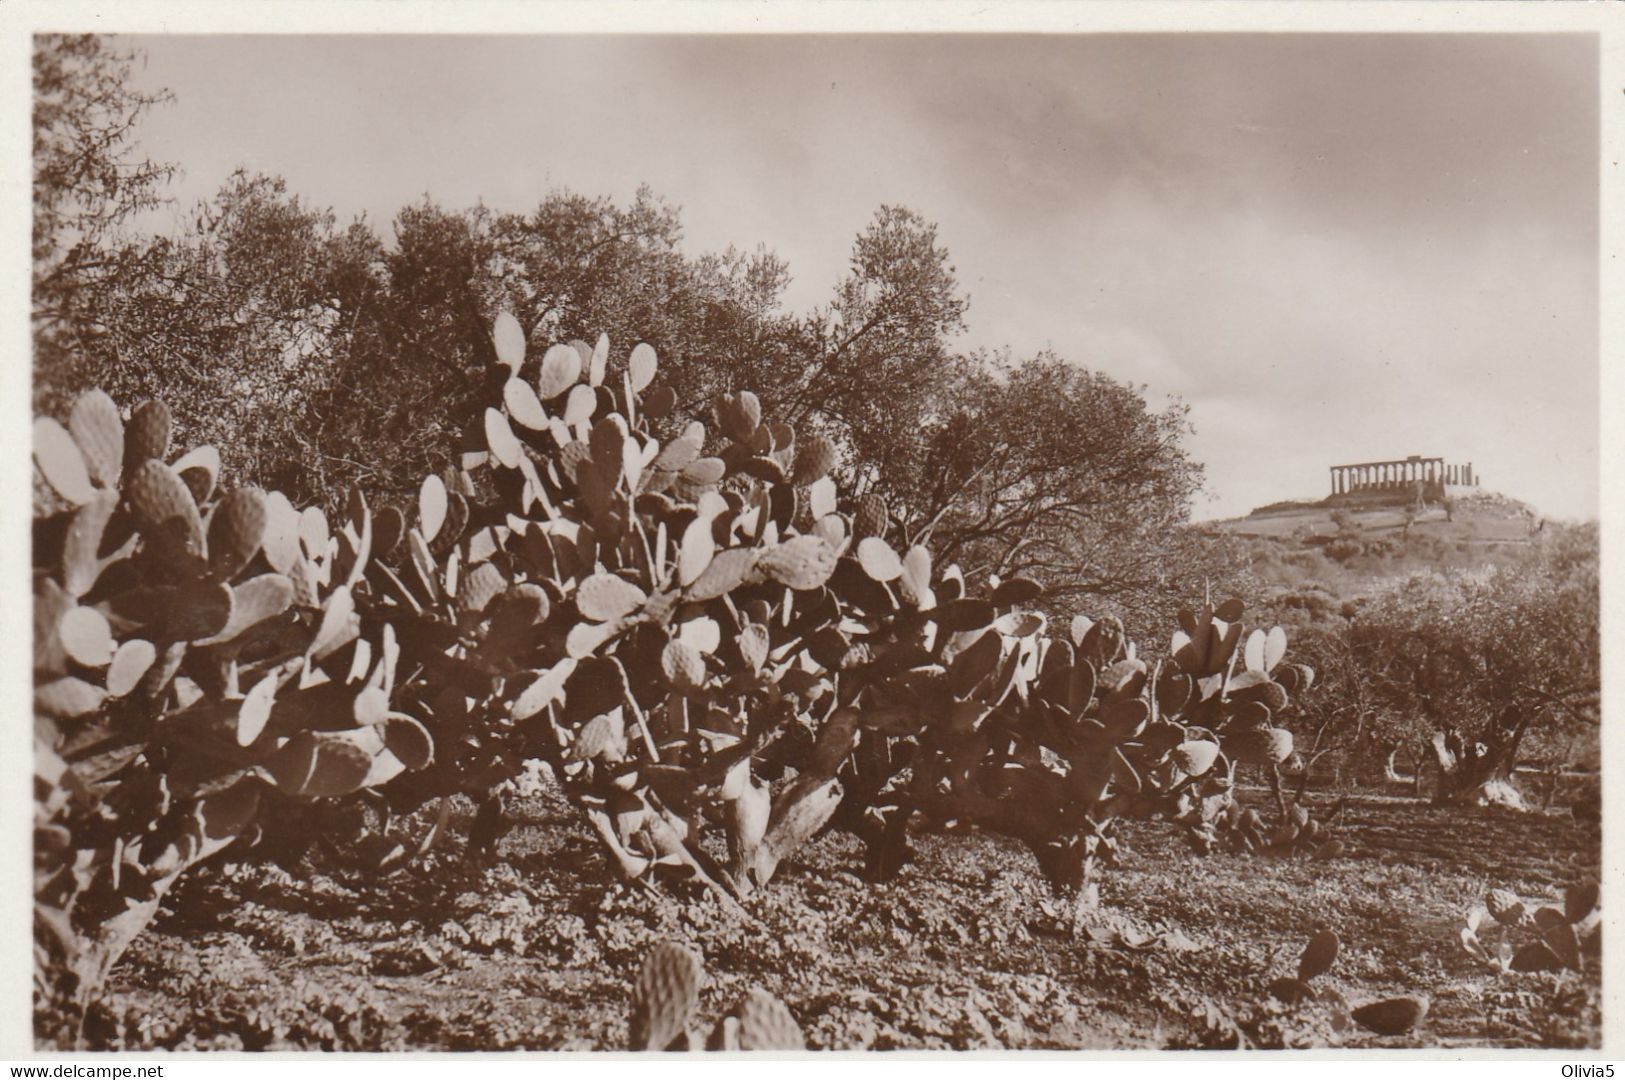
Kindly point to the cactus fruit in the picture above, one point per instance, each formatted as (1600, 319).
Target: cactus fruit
(1392, 1016)
(664, 996)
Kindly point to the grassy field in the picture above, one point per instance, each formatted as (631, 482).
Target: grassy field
(533, 948)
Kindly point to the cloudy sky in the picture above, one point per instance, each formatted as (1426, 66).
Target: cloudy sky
(1334, 248)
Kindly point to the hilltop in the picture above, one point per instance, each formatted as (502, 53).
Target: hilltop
(1324, 553)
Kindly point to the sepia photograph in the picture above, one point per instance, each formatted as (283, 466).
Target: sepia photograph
(770, 541)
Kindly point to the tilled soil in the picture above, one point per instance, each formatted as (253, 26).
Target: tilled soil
(534, 947)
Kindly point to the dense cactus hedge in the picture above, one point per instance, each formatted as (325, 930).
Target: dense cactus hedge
(713, 649)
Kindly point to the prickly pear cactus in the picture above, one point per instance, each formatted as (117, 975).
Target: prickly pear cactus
(696, 632)
(198, 654)
(663, 998)
(667, 993)
(634, 610)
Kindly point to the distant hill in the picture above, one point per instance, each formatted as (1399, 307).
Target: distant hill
(1321, 556)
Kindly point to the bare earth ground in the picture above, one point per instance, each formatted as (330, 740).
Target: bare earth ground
(535, 949)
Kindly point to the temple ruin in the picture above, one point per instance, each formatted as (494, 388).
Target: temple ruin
(1432, 475)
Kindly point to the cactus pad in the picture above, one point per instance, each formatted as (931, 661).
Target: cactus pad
(1392, 1016)
(523, 405)
(1195, 758)
(766, 1024)
(86, 637)
(81, 547)
(61, 462)
(99, 431)
(508, 337)
(802, 562)
(815, 457)
(129, 664)
(871, 518)
(1319, 955)
(157, 495)
(146, 436)
(1506, 907)
(1580, 900)
(561, 367)
(641, 366)
(236, 530)
(683, 665)
(664, 996)
(199, 468)
(606, 597)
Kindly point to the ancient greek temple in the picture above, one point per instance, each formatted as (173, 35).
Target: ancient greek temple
(1432, 473)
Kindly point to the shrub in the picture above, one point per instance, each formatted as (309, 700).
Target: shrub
(198, 656)
(713, 651)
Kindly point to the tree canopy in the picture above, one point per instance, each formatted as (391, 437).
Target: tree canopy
(318, 355)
